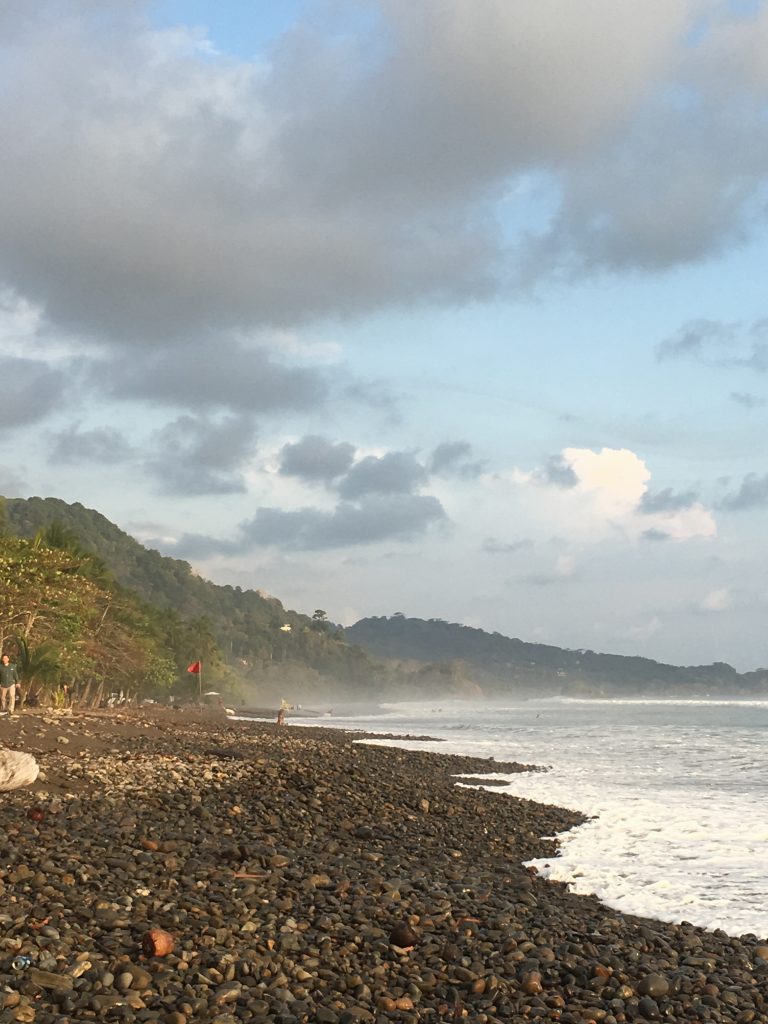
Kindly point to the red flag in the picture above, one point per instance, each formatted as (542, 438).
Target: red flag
(195, 667)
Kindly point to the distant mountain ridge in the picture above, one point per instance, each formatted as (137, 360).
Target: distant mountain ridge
(502, 665)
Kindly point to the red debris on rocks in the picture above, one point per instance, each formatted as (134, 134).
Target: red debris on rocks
(157, 942)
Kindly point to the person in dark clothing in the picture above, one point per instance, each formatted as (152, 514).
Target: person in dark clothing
(9, 679)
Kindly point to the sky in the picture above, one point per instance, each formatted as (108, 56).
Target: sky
(450, 308)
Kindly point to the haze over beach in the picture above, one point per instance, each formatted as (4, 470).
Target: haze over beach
(449, 308)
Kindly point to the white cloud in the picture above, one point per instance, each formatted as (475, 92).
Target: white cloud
(694, 521)
(322, 353)
(644, 630)
(19, 319)
(606, 497)
(615, 477)
(717, 600)
(565, 566)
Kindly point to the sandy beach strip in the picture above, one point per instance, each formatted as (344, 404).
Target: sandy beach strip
(293, 868)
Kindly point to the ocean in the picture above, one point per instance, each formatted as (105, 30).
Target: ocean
(676, 793)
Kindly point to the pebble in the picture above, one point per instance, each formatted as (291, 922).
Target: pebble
(653, 985)
(295, 870)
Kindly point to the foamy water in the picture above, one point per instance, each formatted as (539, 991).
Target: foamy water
(676, 790)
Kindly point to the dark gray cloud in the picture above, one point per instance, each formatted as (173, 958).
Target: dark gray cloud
(199, 455)
(747, 400)
(376, 394)
(374, 519)
(31, 390)
(193, 196)
(168, 193)
(101, 445)
(719, 344)
(642, 204)
(666, 501)
(654, 534)
(491, 546)
(697, 338)
(753, 493)
(316, 458)
(393, 473)
(453, 458)
(222, 375)
(557, 472)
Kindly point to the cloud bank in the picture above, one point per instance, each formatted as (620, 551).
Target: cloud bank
(169, 191)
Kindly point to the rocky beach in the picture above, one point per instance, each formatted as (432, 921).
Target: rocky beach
(180, 867)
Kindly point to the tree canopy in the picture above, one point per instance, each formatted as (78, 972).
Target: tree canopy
(90, 632)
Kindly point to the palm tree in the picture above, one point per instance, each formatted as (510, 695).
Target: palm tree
(39, 665)
(60, 537)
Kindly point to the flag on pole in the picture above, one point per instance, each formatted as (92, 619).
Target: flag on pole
(195, 667)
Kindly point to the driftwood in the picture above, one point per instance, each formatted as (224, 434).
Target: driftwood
(17, 769)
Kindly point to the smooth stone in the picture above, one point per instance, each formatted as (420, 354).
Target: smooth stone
(100, 1003)
(228, 993)
(649, 1008)
(49, 981)
(353, 1014)
(324, 1015)
(654, 985)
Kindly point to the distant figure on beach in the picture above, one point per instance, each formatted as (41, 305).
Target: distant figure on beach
(9, 679)
(281, 716)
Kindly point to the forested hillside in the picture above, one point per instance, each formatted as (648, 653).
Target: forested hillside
(251, 635)
(503, 665)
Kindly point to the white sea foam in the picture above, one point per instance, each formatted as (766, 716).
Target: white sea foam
(676, 792)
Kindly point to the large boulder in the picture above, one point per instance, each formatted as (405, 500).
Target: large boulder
(17, 769)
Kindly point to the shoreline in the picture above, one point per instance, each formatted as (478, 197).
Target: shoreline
(281, 860)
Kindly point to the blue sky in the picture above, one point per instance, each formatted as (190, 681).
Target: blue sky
(381, 306)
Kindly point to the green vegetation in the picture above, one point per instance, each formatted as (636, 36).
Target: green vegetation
(65, 625)
(252, 648)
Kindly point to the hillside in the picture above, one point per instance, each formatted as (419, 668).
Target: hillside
(246, 628)
(502, 665)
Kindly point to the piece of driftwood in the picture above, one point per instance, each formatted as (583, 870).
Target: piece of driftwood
(17, 769)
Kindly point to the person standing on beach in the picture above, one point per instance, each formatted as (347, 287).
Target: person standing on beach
(9, 678)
